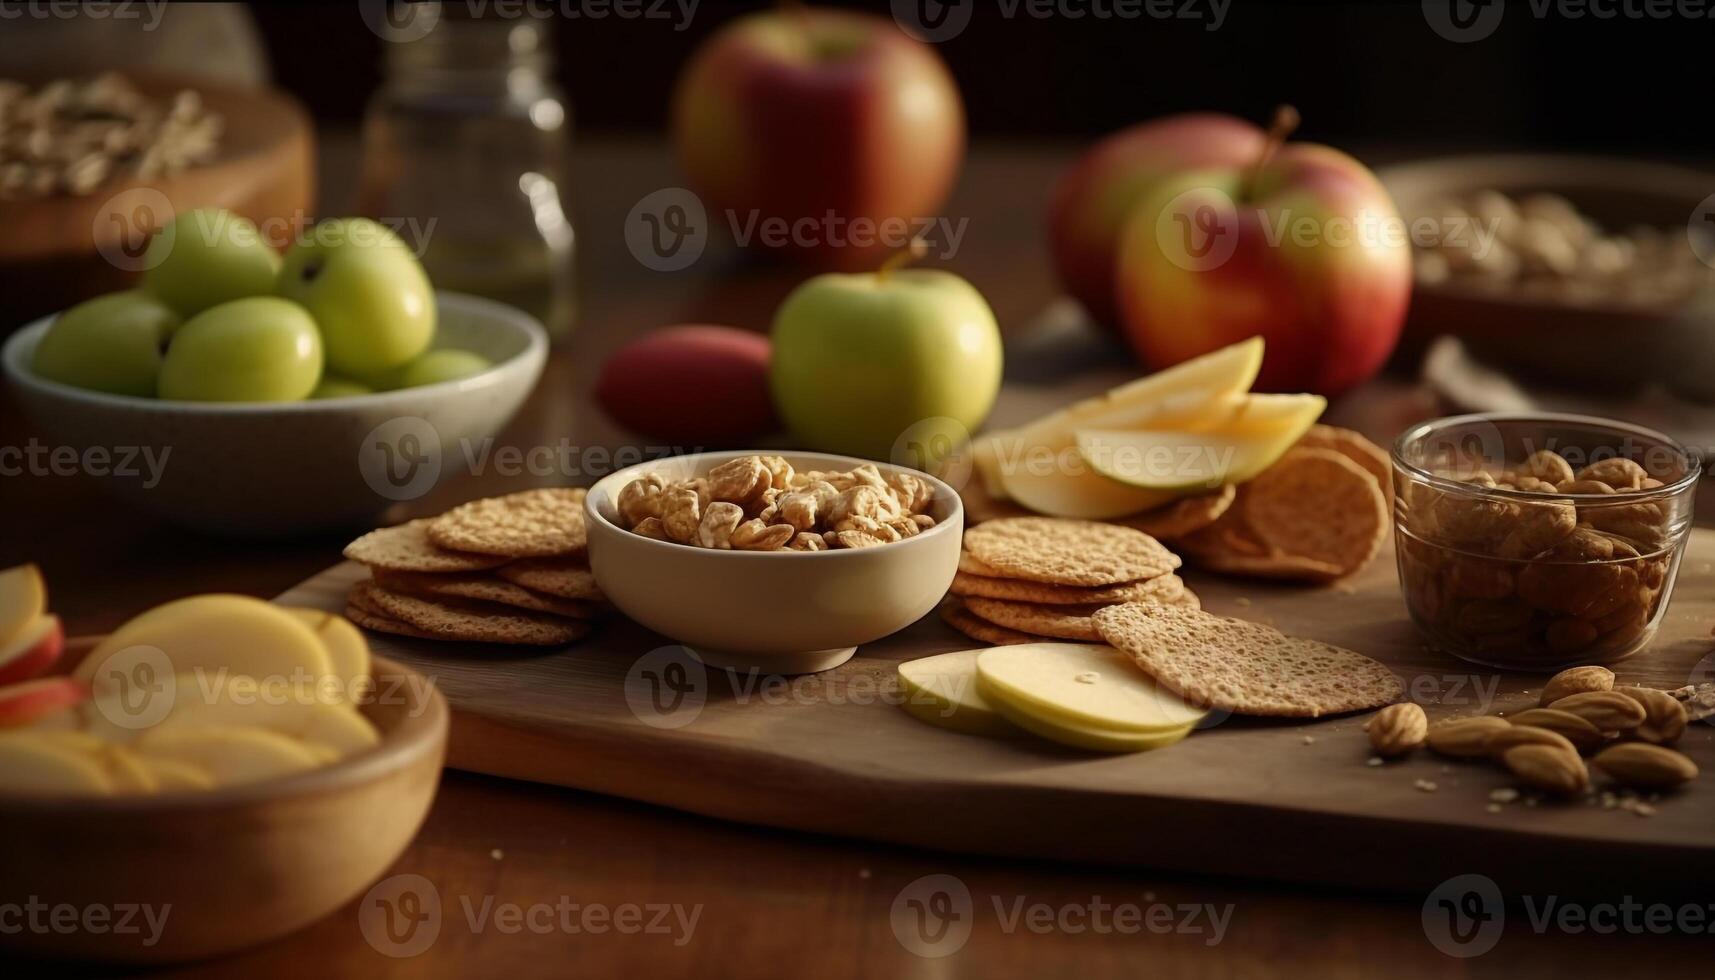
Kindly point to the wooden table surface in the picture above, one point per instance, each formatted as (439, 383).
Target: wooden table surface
(765, 903)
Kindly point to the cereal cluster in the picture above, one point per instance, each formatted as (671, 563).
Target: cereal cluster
(1537, 582)
(760, 503)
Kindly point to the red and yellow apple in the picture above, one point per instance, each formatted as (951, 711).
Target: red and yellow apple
(830, 123)
(23, 598)
(32, 651)
(1094, 199)
(1302, 246)
(21, 704)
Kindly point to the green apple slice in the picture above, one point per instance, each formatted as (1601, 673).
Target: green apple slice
(1060, 484)
(1084, 685)
(942, 691)
(1088, 737)
(1186, 462)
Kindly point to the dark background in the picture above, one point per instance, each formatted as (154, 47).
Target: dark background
(1362, 73)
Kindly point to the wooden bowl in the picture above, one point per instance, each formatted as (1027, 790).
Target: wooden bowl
(1603, 347)
(56, 250)
(237, 866)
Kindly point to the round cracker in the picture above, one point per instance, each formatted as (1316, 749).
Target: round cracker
(382, 624)
(407, 548)
(486, 588)
(449, 620)
(1186, 516)
(543, 523)
(971, 566)
(1352, 445)
(1317, 504)
(1068, 552)
(568, 578)
(1245, 668)
(1060, 622)
(955, 614)
(1163, 587)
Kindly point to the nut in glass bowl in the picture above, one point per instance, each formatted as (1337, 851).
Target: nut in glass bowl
(1534, 542)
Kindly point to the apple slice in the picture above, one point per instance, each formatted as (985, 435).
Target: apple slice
(33, 764)
(347, 650)
(32, 650)
(1085, 685)
(1252, 441)
(230, 755)
(1185, 392)
(26, 703)
(238, 634)
(173, 776)
(1087, 737)
(942, 691)
(1061, 484)
(23, 599)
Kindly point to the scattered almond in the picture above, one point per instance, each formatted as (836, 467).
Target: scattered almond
(1567, 725)
(1607, 710)
(1516, 735)
(1550, 769)
(1575, 680)
(1644, 766)
(1664, 717)
(1398, 729)
(1465, 738)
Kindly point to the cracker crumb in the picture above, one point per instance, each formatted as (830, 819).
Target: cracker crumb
(497, 854)
(1425, 785)
(1506, 794)
(1309, 740)
(863, 873)
(1644, 810)
(1493, 808)
(1530, 801)
(1346, 589)
(1243, 602)
(1375, 760)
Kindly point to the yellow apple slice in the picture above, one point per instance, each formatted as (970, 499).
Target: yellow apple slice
(347, 650)
(232, 756)
(1084, 685)
(32, 764)
(1087, 737)
(1074, 489)
(1255, 415)
(239, 634)
(1184, 392)
(987, 464)
(173, 776)
(1250, 442)
(942, 691)
(23, 599)
(130, 775)
(212, 699)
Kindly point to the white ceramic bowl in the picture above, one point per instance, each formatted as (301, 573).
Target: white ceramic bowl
(289, 468)
(781, 612)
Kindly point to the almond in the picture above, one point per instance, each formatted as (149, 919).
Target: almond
(1607, 710)
(1576, 680)
(1516, 735)
(1547, 768)
(1465, 738)
(1664, 717)
(1644, 766)
(1397, 729)
(1569, 726)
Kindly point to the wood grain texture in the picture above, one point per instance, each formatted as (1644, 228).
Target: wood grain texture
(832, 753)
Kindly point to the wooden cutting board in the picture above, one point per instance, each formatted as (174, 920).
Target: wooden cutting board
(833, 753)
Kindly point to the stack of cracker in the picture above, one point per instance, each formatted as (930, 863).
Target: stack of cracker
(1028, 579)
(506, 570)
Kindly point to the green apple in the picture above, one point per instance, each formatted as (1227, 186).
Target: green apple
(207, 257)
(334, 387)
(446, 364)
(111, 343)
(942, 691)
(366, 291)
(863, 359)
(261, 349)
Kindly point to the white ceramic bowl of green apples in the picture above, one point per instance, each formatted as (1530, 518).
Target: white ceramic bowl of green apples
(240, 391)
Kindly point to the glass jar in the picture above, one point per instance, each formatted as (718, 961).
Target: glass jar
(466, 151)
(1539, 542)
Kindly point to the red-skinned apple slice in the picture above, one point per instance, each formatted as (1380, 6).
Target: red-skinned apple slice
(32, 651)
(21, 704)
(23, 598)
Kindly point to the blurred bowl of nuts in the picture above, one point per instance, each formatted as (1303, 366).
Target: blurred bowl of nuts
(91, 166)
(1573, 270)
(783, 563)
(1534, 542)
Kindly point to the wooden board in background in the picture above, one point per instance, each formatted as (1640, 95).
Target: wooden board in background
(833, 753)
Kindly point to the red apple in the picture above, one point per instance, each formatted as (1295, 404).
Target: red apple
(32, 651)
(1302, 247)
(826, 135)
(21, 704)
(1095, 197)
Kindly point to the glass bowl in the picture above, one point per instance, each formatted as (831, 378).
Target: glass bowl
(1537, 541)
